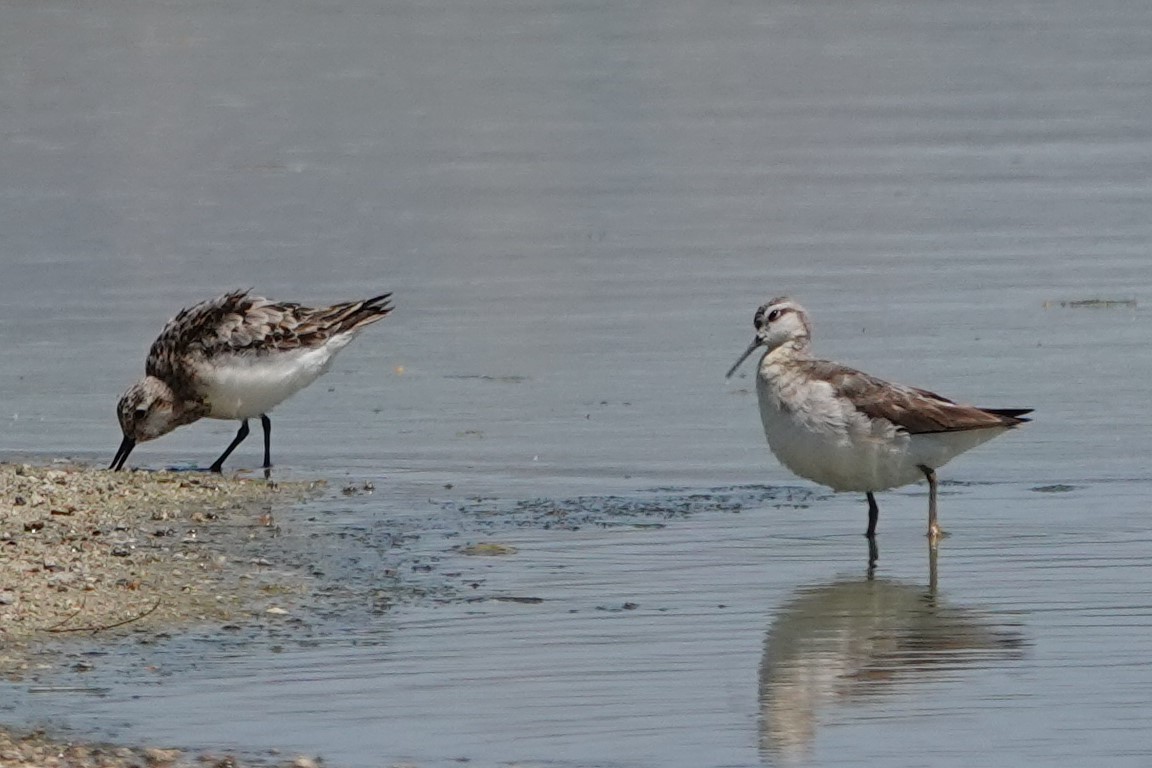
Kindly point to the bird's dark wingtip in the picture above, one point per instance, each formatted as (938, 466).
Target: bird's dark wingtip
(378, 306)
(1016, 414)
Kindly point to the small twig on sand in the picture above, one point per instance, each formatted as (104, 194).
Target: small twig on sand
(65, 620)
(101, 627)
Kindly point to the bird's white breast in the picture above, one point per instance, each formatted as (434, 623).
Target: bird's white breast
(821, 436)
(245, 386)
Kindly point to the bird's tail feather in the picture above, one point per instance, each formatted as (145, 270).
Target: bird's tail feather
(357, 314)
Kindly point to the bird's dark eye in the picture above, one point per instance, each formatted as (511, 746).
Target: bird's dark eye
(140, 413)
(773, 315)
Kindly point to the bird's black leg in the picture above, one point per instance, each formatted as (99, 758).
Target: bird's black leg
(934, 531)
(217, 466)
(873, 515)
(267, 424)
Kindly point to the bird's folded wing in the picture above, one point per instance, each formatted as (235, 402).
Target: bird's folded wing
(916, 411)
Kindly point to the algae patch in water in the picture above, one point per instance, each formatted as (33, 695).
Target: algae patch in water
(1092, 304)
(486, 549)
(644, 509)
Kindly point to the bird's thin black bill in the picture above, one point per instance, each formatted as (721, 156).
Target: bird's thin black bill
(751, 348)
(122, 453)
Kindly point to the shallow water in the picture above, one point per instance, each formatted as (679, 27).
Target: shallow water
(579, 207)
(690, 628)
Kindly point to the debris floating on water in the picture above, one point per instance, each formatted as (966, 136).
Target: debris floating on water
(1092, 304)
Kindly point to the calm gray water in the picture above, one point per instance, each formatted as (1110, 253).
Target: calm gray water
(579, 205)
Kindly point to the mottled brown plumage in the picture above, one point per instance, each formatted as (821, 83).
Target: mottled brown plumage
(240, 324)
(235, 357)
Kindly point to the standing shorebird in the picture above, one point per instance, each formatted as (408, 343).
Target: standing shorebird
(236, 357)
(853, 432)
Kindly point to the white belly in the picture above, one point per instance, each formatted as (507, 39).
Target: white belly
(824, 439)
(244, 387)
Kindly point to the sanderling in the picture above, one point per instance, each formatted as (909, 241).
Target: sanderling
(853, 432)
(236, 357)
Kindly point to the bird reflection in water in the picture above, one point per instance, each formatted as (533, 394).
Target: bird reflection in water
(852, 641)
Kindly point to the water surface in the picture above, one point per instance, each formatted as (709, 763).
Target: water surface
(579, 206)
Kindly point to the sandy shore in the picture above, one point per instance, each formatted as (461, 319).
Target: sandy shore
(37, 750)
(89, 554)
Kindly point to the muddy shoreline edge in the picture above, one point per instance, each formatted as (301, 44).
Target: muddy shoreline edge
(91, 556)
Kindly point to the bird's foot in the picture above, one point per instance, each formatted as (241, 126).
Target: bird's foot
(935, 534)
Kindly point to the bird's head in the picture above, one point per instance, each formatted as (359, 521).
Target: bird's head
(781, 321)
(146, 411)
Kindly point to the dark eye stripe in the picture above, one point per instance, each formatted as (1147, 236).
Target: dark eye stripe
(763, 318)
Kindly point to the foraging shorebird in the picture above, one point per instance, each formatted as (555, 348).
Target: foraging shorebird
(853, 432)
(236, 357)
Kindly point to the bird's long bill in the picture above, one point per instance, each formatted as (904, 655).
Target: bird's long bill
(122, 453)
(751, 348)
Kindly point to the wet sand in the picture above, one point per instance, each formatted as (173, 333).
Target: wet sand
(91, 555)
(35, 749)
